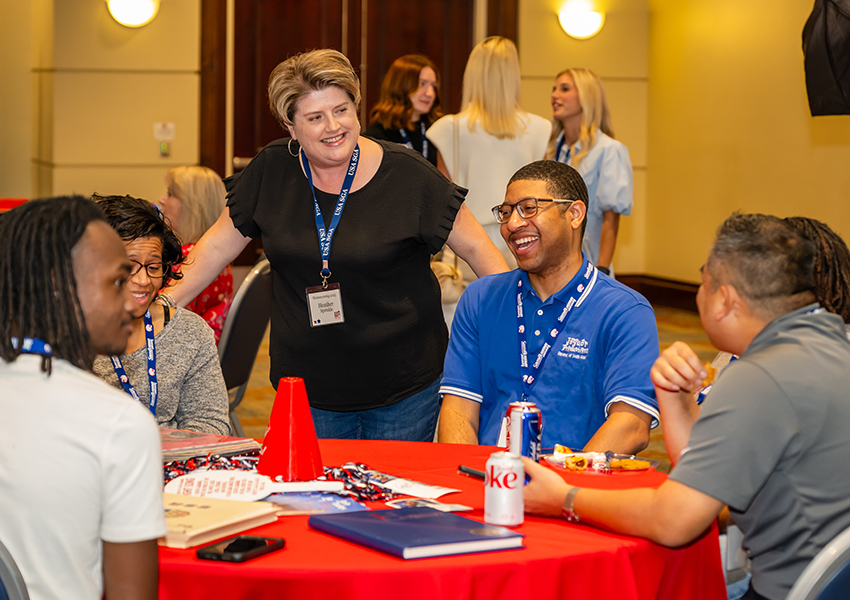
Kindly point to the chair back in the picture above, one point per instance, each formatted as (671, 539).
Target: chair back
(12, 586)
(245, 325)
(828, 576)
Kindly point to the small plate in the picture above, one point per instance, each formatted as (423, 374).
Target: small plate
(599, 462)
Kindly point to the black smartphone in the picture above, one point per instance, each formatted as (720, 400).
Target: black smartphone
(240, 548)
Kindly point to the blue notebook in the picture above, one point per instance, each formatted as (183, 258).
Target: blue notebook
(417, 532)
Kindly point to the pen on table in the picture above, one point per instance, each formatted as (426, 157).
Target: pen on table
(470, 472)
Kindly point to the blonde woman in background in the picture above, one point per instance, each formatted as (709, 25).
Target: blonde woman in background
(495, 136)
(193, 201)
(583, 138)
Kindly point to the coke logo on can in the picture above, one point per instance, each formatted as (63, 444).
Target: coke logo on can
(503, 490)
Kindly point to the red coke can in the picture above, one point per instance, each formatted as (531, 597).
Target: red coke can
(503, 490)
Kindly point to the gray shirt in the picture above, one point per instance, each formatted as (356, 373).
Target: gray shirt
(773, 442)
(191, 388)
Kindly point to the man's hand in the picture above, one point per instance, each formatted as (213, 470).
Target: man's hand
(678, 369)
(545, 493)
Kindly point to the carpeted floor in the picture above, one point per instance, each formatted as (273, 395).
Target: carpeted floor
(673, 325)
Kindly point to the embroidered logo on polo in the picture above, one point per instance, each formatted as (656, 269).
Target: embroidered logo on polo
(577, 348)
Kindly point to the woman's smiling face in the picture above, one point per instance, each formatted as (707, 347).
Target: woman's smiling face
(326, 126)
(144, 254)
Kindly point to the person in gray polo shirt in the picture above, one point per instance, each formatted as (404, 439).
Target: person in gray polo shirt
(773, 439)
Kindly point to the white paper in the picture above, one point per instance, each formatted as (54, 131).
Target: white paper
(408, 487)
(241, 485)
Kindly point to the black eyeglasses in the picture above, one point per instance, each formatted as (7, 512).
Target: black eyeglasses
(527, 208)
(154, 270)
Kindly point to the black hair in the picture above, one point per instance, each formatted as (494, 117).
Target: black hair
(38, 290)
(134, 218)
(831, 265)
(768, 262)
(562, 181)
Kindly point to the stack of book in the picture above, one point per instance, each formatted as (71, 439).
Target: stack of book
(178, 444)
(194, 521)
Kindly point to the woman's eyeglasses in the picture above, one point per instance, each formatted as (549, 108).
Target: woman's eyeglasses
(154, 270)
(527, 208)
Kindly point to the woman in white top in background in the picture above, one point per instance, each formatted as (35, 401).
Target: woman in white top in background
(495, 136)
(582, 137)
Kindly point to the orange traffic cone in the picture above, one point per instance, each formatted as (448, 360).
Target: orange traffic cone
(290, 449)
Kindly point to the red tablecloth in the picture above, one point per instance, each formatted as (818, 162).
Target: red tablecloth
(560, 560)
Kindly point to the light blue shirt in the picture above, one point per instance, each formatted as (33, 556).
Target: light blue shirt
(607, 173)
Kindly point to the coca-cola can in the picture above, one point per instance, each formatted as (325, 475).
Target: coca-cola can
(503, 490)
(524, 429)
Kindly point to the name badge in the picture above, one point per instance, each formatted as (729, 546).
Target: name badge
(325, 305)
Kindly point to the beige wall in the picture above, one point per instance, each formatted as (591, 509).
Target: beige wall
(93, 92)
(619, 55)
(16, 108)
(729, 127)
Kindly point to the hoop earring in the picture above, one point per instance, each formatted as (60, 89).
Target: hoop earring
(289, 147)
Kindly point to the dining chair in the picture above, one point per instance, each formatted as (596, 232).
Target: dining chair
(828, 576)
(12, 586)
(243, 333)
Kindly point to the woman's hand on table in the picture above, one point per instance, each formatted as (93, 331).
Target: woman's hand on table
(545, 493)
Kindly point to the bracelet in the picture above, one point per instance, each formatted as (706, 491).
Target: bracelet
(166, 299)
(567, 510)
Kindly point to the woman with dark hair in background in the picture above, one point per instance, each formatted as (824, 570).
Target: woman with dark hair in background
(408, 104)
(193, 200)
(170, 364)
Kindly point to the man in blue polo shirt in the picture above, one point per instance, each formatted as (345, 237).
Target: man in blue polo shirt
(556, 332)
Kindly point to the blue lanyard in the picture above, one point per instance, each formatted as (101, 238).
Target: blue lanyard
(122, 374)
(325, 237)
(576, 296)
(33, 346)
(562, 151)
(409, 144)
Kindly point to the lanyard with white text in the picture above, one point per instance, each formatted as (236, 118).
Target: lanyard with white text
(325, 237)
(33, 346)
(576, 297)
(562, 151)
(122, 374)
(409, 144)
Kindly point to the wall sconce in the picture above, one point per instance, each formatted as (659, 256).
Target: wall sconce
(133, 13)
(579, 20)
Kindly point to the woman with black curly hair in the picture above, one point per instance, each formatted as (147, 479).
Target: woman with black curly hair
(170, 364)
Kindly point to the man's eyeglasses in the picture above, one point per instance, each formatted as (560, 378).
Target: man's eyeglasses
(154, 270)
(527, 208)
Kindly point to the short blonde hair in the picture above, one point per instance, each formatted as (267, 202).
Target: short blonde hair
(491, 88)
(306, 73)
(202, 195)
(595, 115)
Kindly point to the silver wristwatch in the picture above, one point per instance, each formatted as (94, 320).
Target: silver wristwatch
(567, 510)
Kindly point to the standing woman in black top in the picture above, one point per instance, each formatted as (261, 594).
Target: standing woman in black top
(348, 225)
(409, 103)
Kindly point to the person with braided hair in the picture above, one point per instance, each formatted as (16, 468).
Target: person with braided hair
(63, 301)
(831, 268)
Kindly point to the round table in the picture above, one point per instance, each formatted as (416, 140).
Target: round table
(560, 560)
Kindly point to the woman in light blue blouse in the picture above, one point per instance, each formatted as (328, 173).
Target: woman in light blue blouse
(582, 137)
